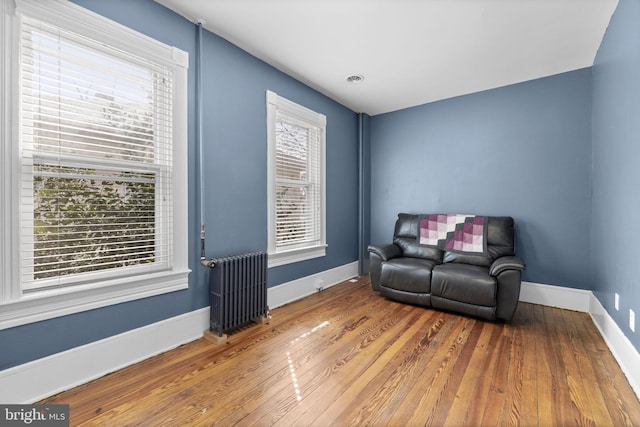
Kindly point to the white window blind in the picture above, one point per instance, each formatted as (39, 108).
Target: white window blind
(297, 182)
(95, 132)
(93, 195)
(296, 137)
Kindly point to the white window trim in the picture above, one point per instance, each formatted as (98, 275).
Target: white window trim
(16, 307)
(277, 258)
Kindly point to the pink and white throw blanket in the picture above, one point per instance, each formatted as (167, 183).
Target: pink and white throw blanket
(454, 232)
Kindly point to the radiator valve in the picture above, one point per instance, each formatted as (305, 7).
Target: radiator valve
(207, 262)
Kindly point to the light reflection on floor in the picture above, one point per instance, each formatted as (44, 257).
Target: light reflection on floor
(292, 368)
(294, 379)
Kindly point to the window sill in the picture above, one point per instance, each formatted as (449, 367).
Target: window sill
(296, 255)
(61, 302)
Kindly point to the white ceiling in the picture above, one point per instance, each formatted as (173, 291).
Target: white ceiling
(410, 52)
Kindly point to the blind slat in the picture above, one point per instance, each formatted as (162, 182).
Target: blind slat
(96, 173)
(297, 163)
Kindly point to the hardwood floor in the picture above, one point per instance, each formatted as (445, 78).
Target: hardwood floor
(347, 356)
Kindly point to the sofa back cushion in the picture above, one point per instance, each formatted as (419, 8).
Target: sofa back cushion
(405, 237)
(500, 241)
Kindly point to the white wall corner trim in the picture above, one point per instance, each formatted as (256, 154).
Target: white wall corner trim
(582, 300)
(33, 381)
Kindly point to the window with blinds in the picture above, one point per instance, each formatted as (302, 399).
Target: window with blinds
(296, 185)
(93, 163)
(96, 153)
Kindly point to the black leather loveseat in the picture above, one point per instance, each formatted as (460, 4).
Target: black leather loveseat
(481, 280)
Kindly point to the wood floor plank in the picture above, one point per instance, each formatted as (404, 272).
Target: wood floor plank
(553, 387)
(578, 351)
(608, 378)
(311, 354)
(384, 393)
(524, 318)
(497, 393)
(455, 379)
(272, 371)
(360, 386)
(545, 390)
(514, 387)
(338, 366)
(347, 356)
(436, 366)
(196, 379)
(468, 405)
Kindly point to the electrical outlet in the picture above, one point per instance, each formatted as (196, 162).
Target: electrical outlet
(617, 302)
(632, 320)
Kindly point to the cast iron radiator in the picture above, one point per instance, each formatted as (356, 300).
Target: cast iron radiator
(238, 290)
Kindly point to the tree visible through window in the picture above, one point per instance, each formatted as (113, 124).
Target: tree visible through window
(83, 219)
(94, 164)
(96, 141)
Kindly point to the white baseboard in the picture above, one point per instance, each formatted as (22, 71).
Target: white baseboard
(581, 300)
(33, 381)
(44, 377)
(305, 286)
(624, 352)
(556, 296)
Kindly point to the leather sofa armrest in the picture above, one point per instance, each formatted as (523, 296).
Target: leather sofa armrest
(506, 263)
(386, 252)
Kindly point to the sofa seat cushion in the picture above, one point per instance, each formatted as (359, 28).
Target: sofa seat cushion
(466, 283)
(407, 274)
(415, 298)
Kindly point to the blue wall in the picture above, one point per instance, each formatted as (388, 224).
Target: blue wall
(521, 150)
(235, 151)
(616, 167)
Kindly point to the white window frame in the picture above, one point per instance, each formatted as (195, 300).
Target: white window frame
(16, 306)
(311, 118)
